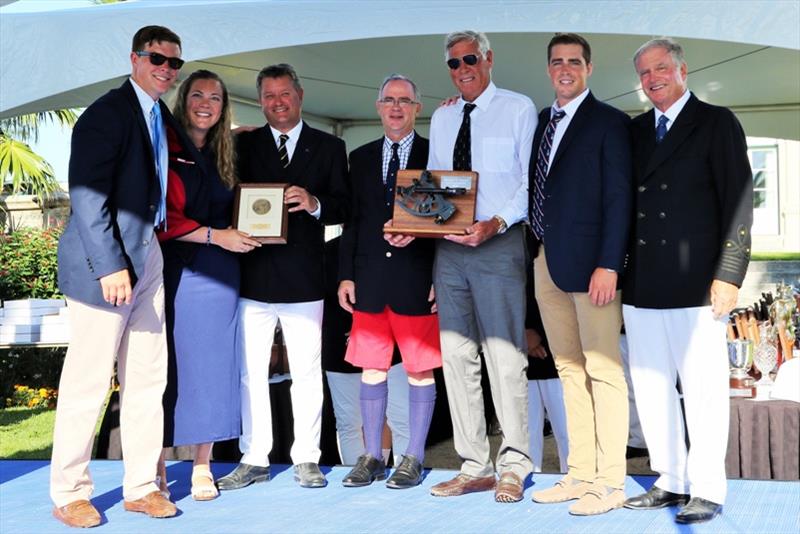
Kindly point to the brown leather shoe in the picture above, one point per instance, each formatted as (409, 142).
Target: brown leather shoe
(565, 489)
(81, 514)
(463, 484)
(509, 488)
(153, 504)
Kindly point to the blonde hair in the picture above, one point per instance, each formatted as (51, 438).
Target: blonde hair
(219, 136)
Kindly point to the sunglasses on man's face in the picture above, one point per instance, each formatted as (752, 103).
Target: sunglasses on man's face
(159, 59)
(469, 59)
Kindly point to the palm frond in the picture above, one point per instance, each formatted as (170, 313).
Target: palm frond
(24, 171)
(26, 127)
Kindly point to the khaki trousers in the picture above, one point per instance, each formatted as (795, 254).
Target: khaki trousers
(584, 340)
(133, 335)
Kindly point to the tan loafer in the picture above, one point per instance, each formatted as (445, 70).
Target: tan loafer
(81, 514)
(153, 504)
(565, 489)
(463, 484)
(598, 500)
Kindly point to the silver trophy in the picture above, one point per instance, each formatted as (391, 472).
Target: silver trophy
(740, 357)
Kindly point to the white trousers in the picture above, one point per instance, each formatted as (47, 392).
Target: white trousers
(345, 392)
(301, 326)
(685, 343)
(547, 395)
(635, 435)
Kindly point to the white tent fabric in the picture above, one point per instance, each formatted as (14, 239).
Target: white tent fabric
(67, 57)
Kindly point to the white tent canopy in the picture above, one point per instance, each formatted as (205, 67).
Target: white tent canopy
(745, 55)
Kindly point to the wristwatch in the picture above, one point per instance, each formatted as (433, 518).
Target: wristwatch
(502, 223)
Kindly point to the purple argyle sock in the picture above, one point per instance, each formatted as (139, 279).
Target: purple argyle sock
(373, 413)
(421, 400)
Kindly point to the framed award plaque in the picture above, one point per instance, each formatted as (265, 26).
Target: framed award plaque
(259, 210)
(433, 203)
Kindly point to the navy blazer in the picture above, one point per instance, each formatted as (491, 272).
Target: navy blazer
(294, 272)
(384, 275)
(588, 194)
(693, 205)
(114, 193)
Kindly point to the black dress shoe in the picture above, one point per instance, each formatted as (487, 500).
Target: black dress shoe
(308, 475)
(407, 475)
(367, 470)
(242, 476)
(698, 511)
(655, 498)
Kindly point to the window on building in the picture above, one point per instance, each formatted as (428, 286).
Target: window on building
(764, 163)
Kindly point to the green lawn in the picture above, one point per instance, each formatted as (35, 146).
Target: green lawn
(775, 256)
(26, 433)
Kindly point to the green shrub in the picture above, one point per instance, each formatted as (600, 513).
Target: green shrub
(28, 264)
(29, 366)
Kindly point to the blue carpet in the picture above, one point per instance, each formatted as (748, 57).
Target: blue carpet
(282, 506)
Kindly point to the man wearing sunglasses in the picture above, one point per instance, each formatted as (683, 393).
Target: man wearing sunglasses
(109, 268)
(480, 277)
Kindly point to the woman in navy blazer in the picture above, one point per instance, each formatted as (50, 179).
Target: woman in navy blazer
(201, 279)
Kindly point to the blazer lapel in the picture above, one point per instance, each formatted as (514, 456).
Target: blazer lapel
(303, 151)
(268, 159)
(417, 159)
(683, 127)
(575, 126)
(130, 93)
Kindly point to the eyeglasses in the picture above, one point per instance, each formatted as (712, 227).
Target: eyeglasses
(403, 102)
(159, 59)
(469, 59)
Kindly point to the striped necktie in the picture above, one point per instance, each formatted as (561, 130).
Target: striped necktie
(282, 152)
(540, 175)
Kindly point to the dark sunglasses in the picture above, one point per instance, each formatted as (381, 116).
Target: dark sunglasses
(159, 59)
(469, 59)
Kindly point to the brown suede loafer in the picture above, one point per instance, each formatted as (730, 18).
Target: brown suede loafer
(81, 514)
(598, 499)
(565, 489)
(463, 484)
(509, 488)
(153, 504)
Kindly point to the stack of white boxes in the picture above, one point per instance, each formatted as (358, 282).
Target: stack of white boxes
(34, 321)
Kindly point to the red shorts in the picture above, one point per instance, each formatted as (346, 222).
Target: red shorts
(373, 336)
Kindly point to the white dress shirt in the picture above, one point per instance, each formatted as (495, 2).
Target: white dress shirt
(146, 102)
(673, 111)
(291, 143)
(569, 111)
(502, 127)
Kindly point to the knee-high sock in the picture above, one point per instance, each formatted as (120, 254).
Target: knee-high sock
(421, 400)
(373, 413)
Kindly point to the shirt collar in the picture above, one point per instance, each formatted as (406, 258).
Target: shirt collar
(674, 110)
(145, 101)
(404, 142)
(293, 134)
(572, 106)
(484, 99)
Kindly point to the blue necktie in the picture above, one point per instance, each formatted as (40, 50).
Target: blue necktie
(157, 125)
(661, 128)
(540, 174)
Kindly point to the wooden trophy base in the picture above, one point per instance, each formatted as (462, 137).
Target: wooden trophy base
(742, 387)
(421, 226)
